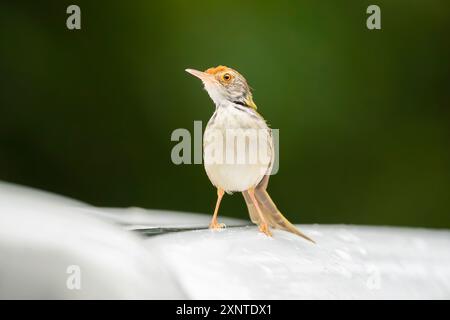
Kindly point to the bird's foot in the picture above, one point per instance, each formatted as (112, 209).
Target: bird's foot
(214, 225)
(264, 228)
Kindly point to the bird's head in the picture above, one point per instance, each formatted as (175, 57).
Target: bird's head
(225, 85)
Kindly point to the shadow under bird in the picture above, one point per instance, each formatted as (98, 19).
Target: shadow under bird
(236, 112)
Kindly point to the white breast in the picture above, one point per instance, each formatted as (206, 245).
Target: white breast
(238, 148)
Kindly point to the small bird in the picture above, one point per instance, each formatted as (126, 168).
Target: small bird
(236, 112)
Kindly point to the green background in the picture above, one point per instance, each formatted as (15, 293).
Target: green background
(364, 116)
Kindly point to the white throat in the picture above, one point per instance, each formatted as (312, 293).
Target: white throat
(217, 94)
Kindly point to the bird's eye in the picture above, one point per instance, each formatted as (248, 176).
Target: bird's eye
(226, 77)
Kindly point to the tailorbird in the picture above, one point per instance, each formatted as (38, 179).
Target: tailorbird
(236, 118)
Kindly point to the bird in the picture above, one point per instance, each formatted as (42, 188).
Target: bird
(247, 169)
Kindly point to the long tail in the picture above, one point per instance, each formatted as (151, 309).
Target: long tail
(270, 212)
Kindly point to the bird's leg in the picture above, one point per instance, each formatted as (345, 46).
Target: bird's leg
(263, 225)
(214, 224)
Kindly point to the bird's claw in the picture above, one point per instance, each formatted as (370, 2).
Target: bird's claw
(264, 228)
(214, 225)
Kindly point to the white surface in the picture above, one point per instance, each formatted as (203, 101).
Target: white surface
(42, 234)
(348, 262)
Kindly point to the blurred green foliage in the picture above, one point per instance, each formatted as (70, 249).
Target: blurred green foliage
(363, 115)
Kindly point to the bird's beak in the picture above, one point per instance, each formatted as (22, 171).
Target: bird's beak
(200, 74)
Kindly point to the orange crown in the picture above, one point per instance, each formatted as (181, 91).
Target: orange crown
(216, 69)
